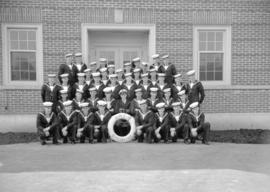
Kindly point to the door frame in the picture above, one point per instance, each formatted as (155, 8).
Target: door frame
(86, 27)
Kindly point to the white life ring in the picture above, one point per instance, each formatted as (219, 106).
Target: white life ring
(129, 136)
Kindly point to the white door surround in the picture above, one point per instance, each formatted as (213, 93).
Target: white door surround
(86, 27)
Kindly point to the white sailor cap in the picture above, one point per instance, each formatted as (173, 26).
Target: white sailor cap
(93, 63)
(144, 63)
(136, 70)
(67, 103)
(180, 93)
(101, 103)
(92, 89)
(118, 70)
(107, 90)
(152, 70)
(127, 64)
(166, 90)
(123, 91)
(64, 75)
(144, 75)
(84, 105)
(177, 75)
(78, 54)
(160, 105)
(111, 66)
(174, 104)
(51, 75)
(80, 74)
(87, 70)
(102, 59)
(136, 59)
(63, 91)
(142, 102)
(102, 70)
(153, 89)
(161, 74)
(113, 76)
(68, 55)
(155, 56)
(165, 56)
(79, 91)
(128, 74)
(138, 90)
(47, 104)
(194, 105)
(97, 74)
(191, 72)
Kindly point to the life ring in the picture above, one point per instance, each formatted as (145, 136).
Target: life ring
(118, 138)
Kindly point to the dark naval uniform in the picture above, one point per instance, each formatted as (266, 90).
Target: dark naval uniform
(102, 121)
(195, 93)
(42, 122)
(170, 71)
(100, 87)
(72, 70)
(71, 121)
(164, 124)
(203, 128)
(180, 123)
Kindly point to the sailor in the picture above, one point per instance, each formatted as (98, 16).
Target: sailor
(183, 99)
(102, 117)
(161, 84)
(47, 124)
(68, 68)
(179, 123)
(144, 67)
(123, 105)
(103, 63)
(79, 63)
(162, 124)
(138, 98)
(104, 76)
(144, 85)
(137, 76)
(83, 116)
(197, 125)
(153, 100)
(68, 121)
(110, 101)
(178, 85)
(111, 69)
(93, 66)
(170, 70)
(130, 86)
(120, 76)
(93, 98)
(88, 76)
(127, 68)
(98, 84)
(167, 98)
(71, 89)
(136, 63)
(76, 102)
(153, 78)
(195, 90)
(145, 122)
(82, 85)
(156, 61)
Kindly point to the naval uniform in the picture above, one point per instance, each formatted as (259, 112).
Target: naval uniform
(164, 123)
(180, 123)
(147, 121)
(72, 70)
(71, 121)
(195, 92)
(43, 122)
(100, 87)
(198, 122)
(102, 122)
(170, 71)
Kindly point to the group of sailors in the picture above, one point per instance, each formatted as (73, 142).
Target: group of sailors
(81, 104)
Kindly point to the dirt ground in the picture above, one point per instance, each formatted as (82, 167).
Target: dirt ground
(135, 167)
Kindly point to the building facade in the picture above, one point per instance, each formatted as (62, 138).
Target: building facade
(226, 42)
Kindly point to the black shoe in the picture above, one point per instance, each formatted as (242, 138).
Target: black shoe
(43, 142)
(65, 140)
(206, 142)
(56, 142)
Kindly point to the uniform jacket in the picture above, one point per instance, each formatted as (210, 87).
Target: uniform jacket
(42, 122)
(71, 70)
(196, 93)
(145, 119)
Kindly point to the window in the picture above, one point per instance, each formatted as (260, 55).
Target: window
(212, 54)
(23, 56)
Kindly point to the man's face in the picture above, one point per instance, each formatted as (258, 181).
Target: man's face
(129, 78)
(153, 74)
(191, 78)
(81, 79)
(68, 60)
(108, 94)
(137, 75)
(176, 108)
(111, 70)
(178, 80)
(183, 98)
(93, 93)
(97, 79)
(101, 107)
(161, 110)
(113, 80)
(78, 59)
(51, 80)
(143, 107)
(104, 75)
(85, 110)
(48, 110)
(102, 63)
(161, 79)
(139, 94)
(93, 67)
(128, 67)
(196, 110)
(123, 96)
(145, 80)
(153, 94)
(65, 80)
(68, 109)
(78, 96)
(167, 94)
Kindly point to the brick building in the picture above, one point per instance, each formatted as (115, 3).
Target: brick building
(227, 42)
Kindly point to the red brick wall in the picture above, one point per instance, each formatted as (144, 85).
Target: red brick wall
(174, 19)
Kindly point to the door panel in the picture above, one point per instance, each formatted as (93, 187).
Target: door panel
(127, 54)
(111, 54)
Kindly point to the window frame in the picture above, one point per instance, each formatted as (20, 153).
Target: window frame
(7, 82)
(226, 58)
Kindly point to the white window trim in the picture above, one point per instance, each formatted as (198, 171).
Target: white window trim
(7, 83)
(227, 56)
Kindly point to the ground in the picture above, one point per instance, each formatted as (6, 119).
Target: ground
(135, 167)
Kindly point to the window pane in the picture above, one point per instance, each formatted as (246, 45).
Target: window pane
(31, 35)
(14, 45)
(202, 46)
(22, 35)
(22, 44)
(211, 36)
(211, 66)
(211, 46)
(14, 35)
(31, 45)
(202, 36)
(219, 46)
(219, 36)
(22, 65)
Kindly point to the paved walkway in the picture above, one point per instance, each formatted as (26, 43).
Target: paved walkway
(135, 167)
